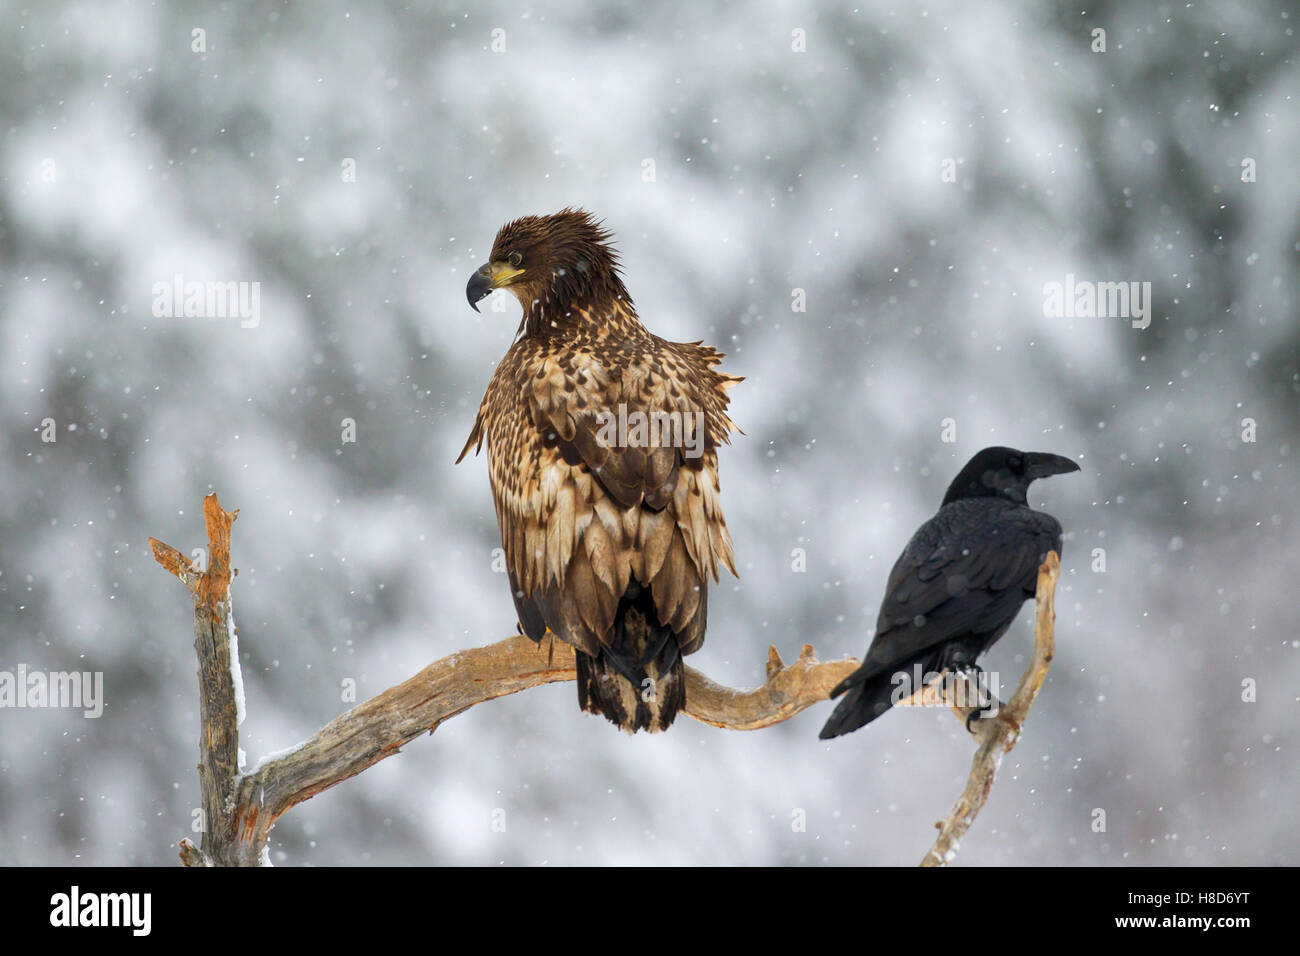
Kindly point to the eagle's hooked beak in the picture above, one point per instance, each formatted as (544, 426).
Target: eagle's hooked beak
(486, 278)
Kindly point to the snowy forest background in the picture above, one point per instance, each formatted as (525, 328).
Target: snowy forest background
(774, 170)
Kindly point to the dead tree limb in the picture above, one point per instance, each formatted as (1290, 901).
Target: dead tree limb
(997, 735)
(218, 711)
(240, 807)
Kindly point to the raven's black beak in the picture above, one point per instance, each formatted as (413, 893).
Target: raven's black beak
(1041, 464)
(480, 284)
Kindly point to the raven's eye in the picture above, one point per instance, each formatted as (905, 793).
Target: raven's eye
(1016, 464)
(516, 259)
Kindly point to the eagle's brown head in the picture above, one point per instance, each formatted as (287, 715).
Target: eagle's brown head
(552, 263)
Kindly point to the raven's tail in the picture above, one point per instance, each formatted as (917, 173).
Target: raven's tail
(869, 696)
(638, 682)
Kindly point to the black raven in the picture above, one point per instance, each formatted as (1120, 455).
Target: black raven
(959, 583)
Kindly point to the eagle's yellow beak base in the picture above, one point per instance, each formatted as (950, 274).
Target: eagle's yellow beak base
(486, 278)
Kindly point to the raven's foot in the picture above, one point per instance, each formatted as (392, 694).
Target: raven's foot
(979, 713)
(974, 676)
(969, 670)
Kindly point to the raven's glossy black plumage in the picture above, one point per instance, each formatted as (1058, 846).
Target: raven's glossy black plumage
(959, 583)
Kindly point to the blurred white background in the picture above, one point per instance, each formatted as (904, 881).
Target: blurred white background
(775, 170)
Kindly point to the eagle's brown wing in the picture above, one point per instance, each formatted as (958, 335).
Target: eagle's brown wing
(580, 520)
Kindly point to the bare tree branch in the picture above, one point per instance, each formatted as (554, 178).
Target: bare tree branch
(218, 712)
(997, 735)
(240, 808)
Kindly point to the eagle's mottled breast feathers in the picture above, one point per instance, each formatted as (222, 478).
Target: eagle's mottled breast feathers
(581, 517)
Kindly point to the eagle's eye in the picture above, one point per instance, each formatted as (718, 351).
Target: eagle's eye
(516, 259)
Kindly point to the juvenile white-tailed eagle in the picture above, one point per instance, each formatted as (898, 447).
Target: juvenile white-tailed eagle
(602, 450)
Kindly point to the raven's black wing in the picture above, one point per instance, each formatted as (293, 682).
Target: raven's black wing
(966, 571)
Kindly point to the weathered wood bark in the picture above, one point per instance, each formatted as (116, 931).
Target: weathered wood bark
(240, 807)
(218, 713)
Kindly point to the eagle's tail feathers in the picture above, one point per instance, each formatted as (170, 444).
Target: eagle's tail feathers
(639, 681)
